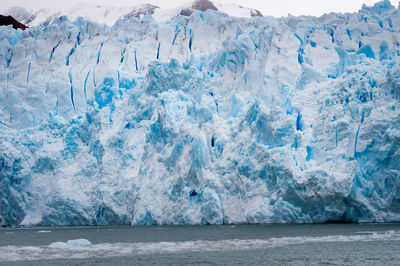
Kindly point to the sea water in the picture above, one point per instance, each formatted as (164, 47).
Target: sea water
(331, 244)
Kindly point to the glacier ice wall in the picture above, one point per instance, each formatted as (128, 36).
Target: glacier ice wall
(202, 119)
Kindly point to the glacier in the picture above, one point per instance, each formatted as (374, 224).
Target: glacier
(202, 119)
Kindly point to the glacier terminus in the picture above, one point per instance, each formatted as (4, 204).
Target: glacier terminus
(202, 118)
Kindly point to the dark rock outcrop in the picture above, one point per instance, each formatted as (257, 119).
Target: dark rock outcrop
(201, 5)
(255, 13)
(9, 20)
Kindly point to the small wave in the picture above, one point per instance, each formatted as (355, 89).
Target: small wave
(82, 248)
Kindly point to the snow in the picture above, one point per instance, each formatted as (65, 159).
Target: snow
(109, 15)
(102, 14)
(267, 120)
(234, 10)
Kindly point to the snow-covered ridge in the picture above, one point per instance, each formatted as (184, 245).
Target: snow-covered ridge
(109, 15)
(101, 14)
(202, 119)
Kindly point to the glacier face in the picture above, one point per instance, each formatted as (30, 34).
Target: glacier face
(202, 119)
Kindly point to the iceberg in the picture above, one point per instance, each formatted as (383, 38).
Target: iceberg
(72, 244)
(202, 119)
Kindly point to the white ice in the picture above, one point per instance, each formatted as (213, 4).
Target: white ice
(202, 119)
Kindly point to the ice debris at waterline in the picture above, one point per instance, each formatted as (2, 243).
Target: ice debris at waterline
(202, 119)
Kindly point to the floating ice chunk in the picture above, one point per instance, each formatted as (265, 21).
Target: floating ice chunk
(57, 245)
(73, 244)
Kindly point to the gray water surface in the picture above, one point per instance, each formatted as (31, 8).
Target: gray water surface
(329, 244)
